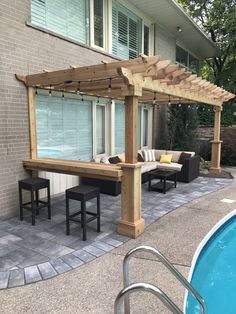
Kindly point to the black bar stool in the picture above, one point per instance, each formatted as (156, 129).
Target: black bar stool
(34, 185)
(82, 193)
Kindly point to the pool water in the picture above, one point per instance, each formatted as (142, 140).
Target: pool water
(214, 275)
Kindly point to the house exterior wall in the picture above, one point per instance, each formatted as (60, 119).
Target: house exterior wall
(24, 49)
(165, 46)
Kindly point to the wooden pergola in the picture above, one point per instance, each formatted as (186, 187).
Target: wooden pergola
(145, 80)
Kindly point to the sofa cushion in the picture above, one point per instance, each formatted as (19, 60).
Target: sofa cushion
(166, 159)
(175, 155)
(114, 160)
(148, 166)
(158, 153)
(149, 155)
(105, 160)
(140, 158)
(171, 166)
(183, 157)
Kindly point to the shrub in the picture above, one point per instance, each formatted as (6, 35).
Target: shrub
(228, 150)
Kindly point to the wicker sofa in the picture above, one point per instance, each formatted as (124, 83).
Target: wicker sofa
(188, 169)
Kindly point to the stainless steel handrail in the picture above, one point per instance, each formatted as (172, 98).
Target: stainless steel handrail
(148, 288)
(168, 265)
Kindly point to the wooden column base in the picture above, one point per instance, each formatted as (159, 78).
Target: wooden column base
(215, 170)
(131, 223)
(215, 157)
(131, 229)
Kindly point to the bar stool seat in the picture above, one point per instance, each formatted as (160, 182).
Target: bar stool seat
(34, 185)
(82, 193)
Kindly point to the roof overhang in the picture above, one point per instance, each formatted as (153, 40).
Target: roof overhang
(149, 78)
(170, 16)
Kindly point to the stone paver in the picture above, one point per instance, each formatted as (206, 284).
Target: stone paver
(32, 274)
(46, 270)
(33, 253)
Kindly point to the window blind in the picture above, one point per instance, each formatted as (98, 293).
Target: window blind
(119, 128)
(65, 17)
(126, 32)
(64, 128)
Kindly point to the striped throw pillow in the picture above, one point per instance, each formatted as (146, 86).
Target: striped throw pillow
(149, 155)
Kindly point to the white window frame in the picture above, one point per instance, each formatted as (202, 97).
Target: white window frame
(106, 139)
(105, 26)
(149, 134)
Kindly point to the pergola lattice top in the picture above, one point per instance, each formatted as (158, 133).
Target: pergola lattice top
(146, 77)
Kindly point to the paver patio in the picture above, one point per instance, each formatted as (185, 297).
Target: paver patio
(34, 253)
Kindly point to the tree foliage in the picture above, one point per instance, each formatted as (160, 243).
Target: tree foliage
(217, 18)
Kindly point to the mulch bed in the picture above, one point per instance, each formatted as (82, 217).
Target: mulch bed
(223, 175)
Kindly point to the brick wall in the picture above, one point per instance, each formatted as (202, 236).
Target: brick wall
(24, 50)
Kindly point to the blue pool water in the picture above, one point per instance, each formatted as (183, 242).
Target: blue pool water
(214, 275)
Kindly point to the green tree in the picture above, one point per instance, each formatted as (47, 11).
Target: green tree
(217, 18)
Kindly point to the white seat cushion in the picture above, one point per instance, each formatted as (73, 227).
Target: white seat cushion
(148, 166)
(171, 166)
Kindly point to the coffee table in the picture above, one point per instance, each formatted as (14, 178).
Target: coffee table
(163, 175)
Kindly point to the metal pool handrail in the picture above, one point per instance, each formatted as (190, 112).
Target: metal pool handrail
(124, 293)
(168, 265)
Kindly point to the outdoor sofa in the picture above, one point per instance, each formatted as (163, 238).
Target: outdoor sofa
(186, 163)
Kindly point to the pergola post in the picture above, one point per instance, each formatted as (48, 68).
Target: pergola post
(216, 143)
(131, 224)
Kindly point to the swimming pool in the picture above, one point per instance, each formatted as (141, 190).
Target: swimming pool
(213, 270)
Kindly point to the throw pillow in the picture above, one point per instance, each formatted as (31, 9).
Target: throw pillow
(104, 160)
(114, 160)
(149, 155)
(166, 159)
(140, 158)
(122, 157)
(183, 157)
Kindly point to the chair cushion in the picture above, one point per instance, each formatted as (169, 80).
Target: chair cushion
(148, 166)
(183, 157)
(158, 153)
(140, 158)
(149, 155)
(105, 160)
(114, 160)
(171, 166)
(166, 159)
(175, 155)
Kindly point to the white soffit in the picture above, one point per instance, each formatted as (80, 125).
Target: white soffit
(169, 15)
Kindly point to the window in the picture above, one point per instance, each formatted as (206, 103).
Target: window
(185, 58)
(194, 64)
(146, 40)
(126, 32)
(65, 17)
(100, 129)
(145, 127)
(64, 127)
(181, 56)
(119, 128)
(98, 23)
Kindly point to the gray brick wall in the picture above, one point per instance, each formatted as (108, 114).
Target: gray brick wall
(23, 50)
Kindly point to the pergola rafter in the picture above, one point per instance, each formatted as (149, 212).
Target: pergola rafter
(144, 80)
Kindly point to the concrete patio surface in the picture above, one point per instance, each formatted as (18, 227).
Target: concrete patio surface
(92, 288)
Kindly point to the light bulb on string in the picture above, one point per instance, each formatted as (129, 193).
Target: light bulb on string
(169, 102)
(50, 90)
(154, 99)
(109, 86)
(78, 88)
(36, 91)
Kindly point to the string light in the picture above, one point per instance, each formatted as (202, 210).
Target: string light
(63, 96)
(180, 102)
(169, 102)
(109, 86)
(78, 88)
(36, 91)
(82, 99)
(50, 90)
(98, 100)
(154, 99)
